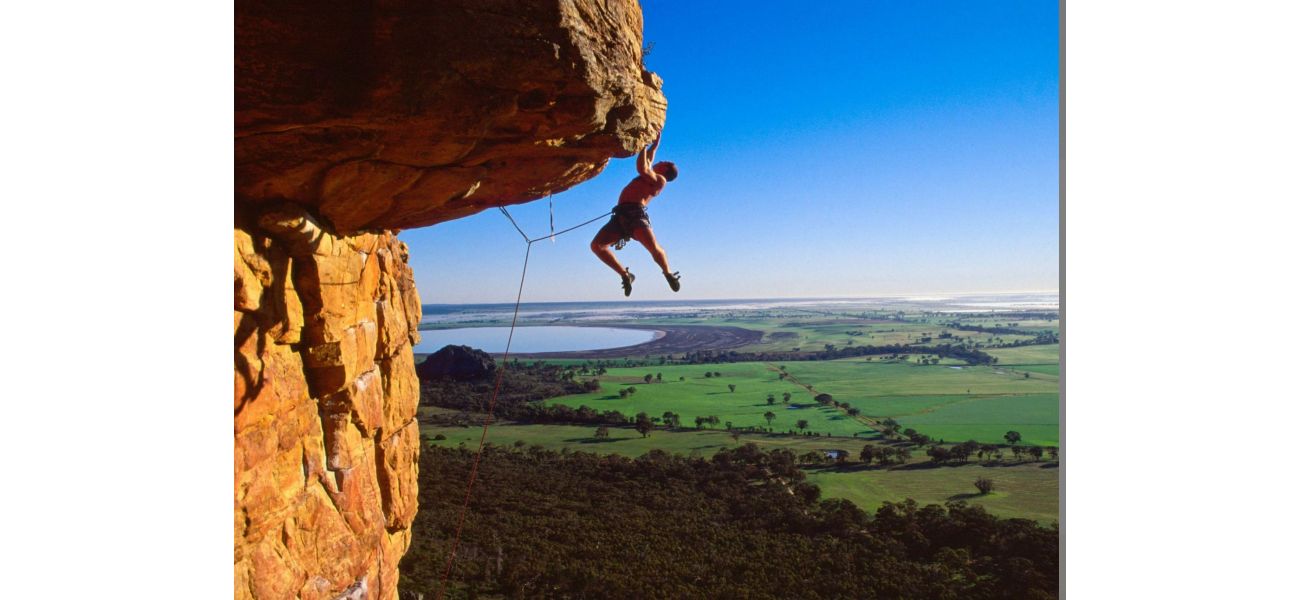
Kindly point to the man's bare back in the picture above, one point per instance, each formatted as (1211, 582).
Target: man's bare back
(641, 190)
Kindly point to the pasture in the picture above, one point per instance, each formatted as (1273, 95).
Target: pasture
(943, 401)
(1028, 355)
(627, 442)
(812, 333)
(1028, 490)
(699, 395)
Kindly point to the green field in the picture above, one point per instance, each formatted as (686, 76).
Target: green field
(1025, 490)
(1028, 491)
(948, 402)
(944, 402)
(987, 418)
(703, 396)
(1028, 355)
(626, 441)
(1053, 370)
(812, 333)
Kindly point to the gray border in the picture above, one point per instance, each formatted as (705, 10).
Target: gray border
(1060, 273)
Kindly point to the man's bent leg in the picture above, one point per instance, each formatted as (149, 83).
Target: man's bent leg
(646, 237)
(600, 247)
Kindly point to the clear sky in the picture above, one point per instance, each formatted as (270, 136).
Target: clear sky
(826, 149)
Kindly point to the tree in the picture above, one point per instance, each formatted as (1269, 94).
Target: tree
(903, 455)
(659, 377)
(717, 374)
(631, 389)
(868, 453)
(824, 398)
(708, 374)
(854, 411)
(602, 433)
(964, 450)
(802, 424)
(918, 438)
(984, 485)
(1012, 437)
(712, 420)
(785, 398)
(1054, 452)
(1036, 452)
(885, 455)
(622, 392)
(732, 387)
(770, 416)
(648, 378)
(770, 400)
(735, 436)
(938, 454)
(682, 378)
(643, 424)
(699, 422)
(672, 419)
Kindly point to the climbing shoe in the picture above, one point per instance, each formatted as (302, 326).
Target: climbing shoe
(628, 278)
(674, 280)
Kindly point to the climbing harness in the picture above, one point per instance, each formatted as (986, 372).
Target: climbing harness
(487, 421)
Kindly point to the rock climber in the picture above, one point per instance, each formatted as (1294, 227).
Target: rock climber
(630, 221)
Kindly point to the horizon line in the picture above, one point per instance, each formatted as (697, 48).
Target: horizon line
(919, 295)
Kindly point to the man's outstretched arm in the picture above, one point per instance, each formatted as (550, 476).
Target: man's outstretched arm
(646, 159)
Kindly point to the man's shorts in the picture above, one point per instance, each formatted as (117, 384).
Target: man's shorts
(627, 217)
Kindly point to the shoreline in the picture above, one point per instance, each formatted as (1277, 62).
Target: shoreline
(668, 339)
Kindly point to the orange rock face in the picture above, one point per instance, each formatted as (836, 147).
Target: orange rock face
(325, 395)
(353, 119)
(405, 113)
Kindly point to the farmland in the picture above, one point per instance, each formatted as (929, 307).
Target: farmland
(687, 391)
(812, 402)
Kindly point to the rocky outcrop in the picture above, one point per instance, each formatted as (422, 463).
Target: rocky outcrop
(405, 113)
(457, 363)
(325, 398)
(354, 119)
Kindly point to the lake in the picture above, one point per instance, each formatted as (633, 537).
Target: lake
(549, 338)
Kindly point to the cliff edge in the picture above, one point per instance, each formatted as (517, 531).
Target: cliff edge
(354, 120)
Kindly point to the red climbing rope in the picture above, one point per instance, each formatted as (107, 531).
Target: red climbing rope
(487, 422)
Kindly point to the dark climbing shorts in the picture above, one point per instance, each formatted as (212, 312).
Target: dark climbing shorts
(627, 218)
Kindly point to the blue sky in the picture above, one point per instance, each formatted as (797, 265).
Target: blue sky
(826, 149)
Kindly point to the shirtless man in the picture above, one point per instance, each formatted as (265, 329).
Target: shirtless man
(630, 221)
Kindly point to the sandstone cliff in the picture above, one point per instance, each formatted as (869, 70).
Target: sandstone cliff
(354, 119)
